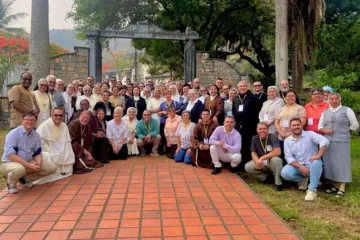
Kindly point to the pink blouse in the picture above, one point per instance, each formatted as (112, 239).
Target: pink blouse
(171, 126)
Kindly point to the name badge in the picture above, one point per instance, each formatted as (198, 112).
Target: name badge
(310, 121)
(210, 113)
(266, 117)
(44, 116)
(82, 142)
(206, 140)
(108, 112)
(241, 108)
(265, 162)
(269, 148)
(286, 123)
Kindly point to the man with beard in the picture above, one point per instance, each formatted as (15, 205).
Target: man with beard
(81, 140)
(284, 87)
(201, 146)
(52, 82)
(56, 145)
(22, 100)
(246, 110)
(303, 152)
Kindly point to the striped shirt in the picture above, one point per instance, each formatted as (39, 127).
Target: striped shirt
(258, 145)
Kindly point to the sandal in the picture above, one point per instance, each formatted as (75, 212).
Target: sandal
(331, 190)
(340, 194)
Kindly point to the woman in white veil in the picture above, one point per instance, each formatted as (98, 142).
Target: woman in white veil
(175, 96)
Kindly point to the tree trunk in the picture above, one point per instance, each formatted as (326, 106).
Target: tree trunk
(39, 40)
(297, 67)
(281, 43)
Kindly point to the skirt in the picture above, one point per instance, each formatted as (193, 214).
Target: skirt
(100, 150)
(122, 155)
(133, 148)
(62, 171)
(337, 162)
(201, 158)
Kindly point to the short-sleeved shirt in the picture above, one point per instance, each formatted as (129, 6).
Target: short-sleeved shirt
(27, 102)
(313, 115)
(258, 145)
(24, 145)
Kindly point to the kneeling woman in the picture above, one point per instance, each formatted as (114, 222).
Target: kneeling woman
(100, 150)
(118, 135)
(184, 133)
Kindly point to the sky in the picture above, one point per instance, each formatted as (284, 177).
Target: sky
(57, 14)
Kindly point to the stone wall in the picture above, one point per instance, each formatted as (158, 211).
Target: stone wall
(208, 69)
(71, 66)
(4, 112)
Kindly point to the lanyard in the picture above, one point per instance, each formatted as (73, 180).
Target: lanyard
(242, 99)
(168, 105)
(261, 95)
(288, 110)
(147, 128)
(206, 128)
(264, 147)
(212, 101)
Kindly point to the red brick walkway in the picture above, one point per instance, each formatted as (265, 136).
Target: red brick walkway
(152, 198)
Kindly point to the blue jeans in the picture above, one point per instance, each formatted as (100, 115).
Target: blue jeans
(293, 174)
(182, 156)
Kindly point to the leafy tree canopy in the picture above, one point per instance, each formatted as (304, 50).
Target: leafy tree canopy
(236, 26)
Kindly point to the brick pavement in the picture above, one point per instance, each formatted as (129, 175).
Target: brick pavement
(141, 198)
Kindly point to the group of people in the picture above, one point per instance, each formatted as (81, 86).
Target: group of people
(82, 127)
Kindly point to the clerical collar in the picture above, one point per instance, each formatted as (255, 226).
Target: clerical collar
(136, 98)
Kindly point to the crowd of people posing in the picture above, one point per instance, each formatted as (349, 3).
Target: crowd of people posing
(269, 134)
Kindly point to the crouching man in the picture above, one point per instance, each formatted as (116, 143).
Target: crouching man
(22, 155)
(265, 152)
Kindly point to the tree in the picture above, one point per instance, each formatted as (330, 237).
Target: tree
(6, 19)
(281, 44)
(39, 39)
(214, 20)
(305, 16)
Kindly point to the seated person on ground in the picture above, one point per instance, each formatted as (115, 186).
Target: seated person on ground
(225, 146)
(131, 120)
(22, 156)
(118, 134)
(56, 145)
(200, 146)
(303, 152)
(101, 149)
(265, 152)
(184, 133)
(147, 131)
(84, 105)
(81, 140)
(172, 122)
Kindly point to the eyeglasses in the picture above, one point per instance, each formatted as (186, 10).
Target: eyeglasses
(43, 85)
(257, 85)
(316, 94)
(58, 115)
(146, 114)
(27, 79)
(29, 120)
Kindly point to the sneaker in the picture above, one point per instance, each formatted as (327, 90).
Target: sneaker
(303, 185)
(216, 171)
(27, 183)
(12, 190)
(155, 154)
(310, 195)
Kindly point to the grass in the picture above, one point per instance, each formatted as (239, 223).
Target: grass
(327, 217)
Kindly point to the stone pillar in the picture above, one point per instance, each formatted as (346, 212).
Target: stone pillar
(95, 58)
(190, 61)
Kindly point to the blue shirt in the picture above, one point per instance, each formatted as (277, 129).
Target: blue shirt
(20, 143)
(165, 107)
(302, 149)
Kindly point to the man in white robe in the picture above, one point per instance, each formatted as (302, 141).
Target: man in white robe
(56, 146)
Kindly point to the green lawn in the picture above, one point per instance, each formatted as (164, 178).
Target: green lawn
(327, 217)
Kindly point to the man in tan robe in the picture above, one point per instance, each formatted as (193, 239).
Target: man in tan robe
(56, 145)
(21, 100)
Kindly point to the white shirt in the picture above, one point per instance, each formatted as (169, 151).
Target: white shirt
(191, 105)
(185, 134)
(354, 124)
(202, 98)
(117, 132)
(302, 149)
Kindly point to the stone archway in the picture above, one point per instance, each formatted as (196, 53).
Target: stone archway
(142, 30)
